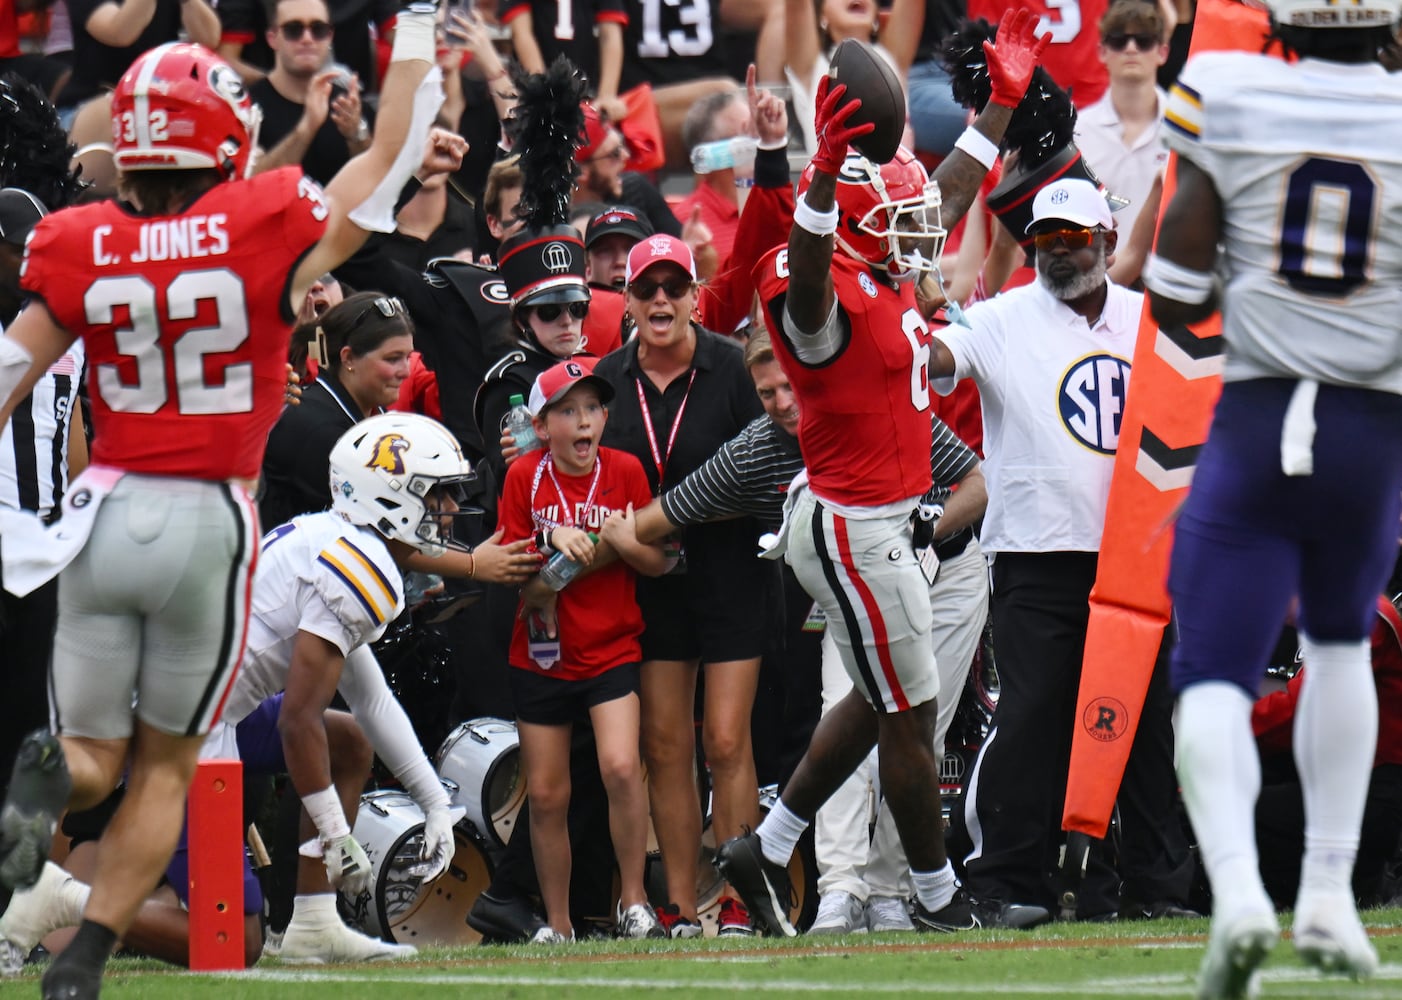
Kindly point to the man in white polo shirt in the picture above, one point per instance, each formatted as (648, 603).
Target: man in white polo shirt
(1052, 363)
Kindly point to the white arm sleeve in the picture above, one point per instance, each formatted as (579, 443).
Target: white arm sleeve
(391, 733)
(376, 213)
(820, 346)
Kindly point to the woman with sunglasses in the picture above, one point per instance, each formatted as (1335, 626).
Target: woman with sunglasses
(362, 351)
(681, 392)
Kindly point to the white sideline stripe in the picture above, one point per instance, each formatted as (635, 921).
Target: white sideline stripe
(1307, 983)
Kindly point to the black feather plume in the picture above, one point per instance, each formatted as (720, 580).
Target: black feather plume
(1042, 124)
(34, 148)
(545, 130)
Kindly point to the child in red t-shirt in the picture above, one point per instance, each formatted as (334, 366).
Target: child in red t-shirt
(590, 664)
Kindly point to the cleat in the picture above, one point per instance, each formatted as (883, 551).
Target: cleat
(763, 885)
(734, 920)
(70, 981)
(992, 913)
(1235, 949)
(956, 915)
(335, 943)
(639, 921)
(34, 913)
(676, 926)
(1329, 936)
(39, 787)
(839, 912)
(549, 935)
(888, 913)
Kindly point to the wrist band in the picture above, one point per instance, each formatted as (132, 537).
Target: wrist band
(979, 146)
(413, 36)
(1173, 281)
(809, 219)
(325, 810)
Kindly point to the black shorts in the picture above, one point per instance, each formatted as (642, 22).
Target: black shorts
(724, 607)
(553, 701)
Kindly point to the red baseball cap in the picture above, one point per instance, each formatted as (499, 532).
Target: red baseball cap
(660, 249)
(596, 130)
(552, 384)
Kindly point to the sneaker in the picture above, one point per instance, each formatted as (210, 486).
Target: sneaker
(763, 885)
(839, 912)
(676, 926)
(304, 944)
(994, 913)
(956, 915)
(511, 920)
(70, 979)
(888, 913)
(272, 943)
(1329, 935)
(1162, 909)
(549, 935)
(39, 787)
(639, 921)
(52, 903)
(734, 919)
(1235, 948)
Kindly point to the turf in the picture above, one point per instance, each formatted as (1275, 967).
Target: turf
(1059, 961)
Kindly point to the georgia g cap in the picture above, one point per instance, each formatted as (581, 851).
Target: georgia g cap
(551, 385)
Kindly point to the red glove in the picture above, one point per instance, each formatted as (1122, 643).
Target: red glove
(1012, 61)
(830, 124)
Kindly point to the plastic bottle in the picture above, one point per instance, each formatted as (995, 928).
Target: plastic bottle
(560, 569)
(518, 422)
(723, 154)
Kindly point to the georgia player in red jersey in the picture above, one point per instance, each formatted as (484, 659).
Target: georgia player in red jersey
(855, 348)
(183, 294)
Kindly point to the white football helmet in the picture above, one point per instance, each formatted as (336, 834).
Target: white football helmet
(1337, 14)
(383, 470)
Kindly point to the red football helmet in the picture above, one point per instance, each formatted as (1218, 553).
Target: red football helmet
(181, 107)
(890, 214)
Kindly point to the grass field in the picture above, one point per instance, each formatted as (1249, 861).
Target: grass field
(1059, 961)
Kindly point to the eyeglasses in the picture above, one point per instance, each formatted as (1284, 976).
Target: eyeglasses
(293, 31)
(1075, 239)
(619, 153)
(550, 311)
(1144, 42)
(645, 288)
(387, 306)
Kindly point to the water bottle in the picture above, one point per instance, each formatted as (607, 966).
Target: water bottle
(724, 154)
(560, 569)
(518, 422)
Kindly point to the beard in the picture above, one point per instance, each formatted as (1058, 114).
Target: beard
(1075, 283)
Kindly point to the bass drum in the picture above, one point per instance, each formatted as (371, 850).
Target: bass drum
(398, 907)
(480, 763)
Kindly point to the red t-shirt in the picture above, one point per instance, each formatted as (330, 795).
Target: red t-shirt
(603, 326)
(599, 618)
(184, 319)
(864, 417)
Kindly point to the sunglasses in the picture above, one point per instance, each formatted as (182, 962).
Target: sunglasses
(619, 152)
(551, 311)
(293, 31)
(1144, 42)
(1075, 239)
(675, 288)
(387, 306)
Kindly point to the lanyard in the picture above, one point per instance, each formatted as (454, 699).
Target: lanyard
(546, 465)
(659, 459)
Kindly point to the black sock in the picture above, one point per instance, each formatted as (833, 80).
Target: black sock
(91, 946)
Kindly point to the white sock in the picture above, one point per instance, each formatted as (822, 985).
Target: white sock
(934, 889)
(779, 833)
(1219, 770)
(314, 909)
(73, 896)
(1336, 731)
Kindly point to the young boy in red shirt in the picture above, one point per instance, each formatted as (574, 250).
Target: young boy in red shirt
(591, 661)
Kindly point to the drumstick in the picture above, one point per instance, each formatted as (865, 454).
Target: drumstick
(255, 844)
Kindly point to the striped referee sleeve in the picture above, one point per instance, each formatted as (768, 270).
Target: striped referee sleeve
(748, 476)
(950, 459)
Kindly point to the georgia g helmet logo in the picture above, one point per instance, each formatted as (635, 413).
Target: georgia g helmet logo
(388, 454)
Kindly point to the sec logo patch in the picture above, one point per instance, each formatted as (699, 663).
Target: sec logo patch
(867, 284)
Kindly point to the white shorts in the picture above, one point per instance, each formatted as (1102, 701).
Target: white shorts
(864, 575)
(153, 611)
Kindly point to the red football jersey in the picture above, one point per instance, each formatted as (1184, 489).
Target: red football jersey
(1073, 57)
(183, 321)
(864, 420)
(598, 614)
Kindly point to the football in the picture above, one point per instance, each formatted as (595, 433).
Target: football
(870, 78)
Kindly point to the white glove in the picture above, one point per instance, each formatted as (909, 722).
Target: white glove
(347, 867)
(439, 845)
